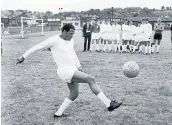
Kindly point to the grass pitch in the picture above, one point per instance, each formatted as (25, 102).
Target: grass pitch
(32, 91)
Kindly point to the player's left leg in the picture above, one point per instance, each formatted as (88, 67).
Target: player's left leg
(153, 45)
(146, 47)
(123, 45)
(109, 45)
(129, 45)
(101, 44)
(171, 40)
(158, 46)
(119, 46)
(134, 47)
(115, 46)
(105, 45)
(149, 47)
(92, 44)
(97, 45)
(159, 42)
(1, 46)
(140, 46)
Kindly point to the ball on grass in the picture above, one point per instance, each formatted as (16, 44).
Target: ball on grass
(131, 69)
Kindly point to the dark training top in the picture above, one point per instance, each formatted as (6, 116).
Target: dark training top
(159, 28)
(95, 28)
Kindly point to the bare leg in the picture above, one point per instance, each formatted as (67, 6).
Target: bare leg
(74, 90)
(80, 77)
(158, 46)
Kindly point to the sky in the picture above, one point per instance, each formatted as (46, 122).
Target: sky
(79, 5)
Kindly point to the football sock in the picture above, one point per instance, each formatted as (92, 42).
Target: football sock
(64, 105)
(104, 99)
(115, 47)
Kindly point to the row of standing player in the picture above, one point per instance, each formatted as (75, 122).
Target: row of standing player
(121, 38)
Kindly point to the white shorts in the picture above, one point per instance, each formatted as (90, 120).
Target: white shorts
(147, 37)
(112, 36)
(66, 73)
(127, 37)
(138, 38)
(117, 37)
(105, 36)
(95, 35)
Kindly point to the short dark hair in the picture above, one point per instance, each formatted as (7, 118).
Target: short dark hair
(67, 27)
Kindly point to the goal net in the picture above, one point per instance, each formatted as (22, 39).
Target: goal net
(31, 25)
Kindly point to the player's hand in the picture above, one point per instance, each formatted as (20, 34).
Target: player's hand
(81, 69)
(20, 60)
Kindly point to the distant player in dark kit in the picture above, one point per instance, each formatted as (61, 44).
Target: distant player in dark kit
(157, 36)
(87, 35)
(69, 68)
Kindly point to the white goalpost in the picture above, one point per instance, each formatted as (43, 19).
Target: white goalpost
(26, 18)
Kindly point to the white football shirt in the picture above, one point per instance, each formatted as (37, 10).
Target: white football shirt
(62, 51)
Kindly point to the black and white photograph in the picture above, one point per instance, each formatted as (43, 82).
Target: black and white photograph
(86, 62)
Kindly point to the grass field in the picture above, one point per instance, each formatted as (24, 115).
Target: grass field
(32, 91)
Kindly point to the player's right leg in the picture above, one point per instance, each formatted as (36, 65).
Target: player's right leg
(124, 48)
(134, 47)
(140, 46)
(153, 45)
(104, 45)
(109, 45)
(146, 47)
(92, 44)
(130, 45)
(74, 92)
(118, 44)
(127, 47)
(158, 45)
(101, 44)
(81, 77)
(97, 45)
(123, 45)
(115, 45)
(149, 47)
(171, 40)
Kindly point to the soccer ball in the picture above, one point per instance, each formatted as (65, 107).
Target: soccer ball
(131, 69)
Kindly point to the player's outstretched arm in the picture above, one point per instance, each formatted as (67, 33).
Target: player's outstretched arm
(43, 45)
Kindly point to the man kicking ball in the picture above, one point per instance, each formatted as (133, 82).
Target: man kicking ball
(69, 68)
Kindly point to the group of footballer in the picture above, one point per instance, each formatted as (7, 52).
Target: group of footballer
(125, 38)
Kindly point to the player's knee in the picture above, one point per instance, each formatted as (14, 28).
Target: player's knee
(90, 79)
(74, 95)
